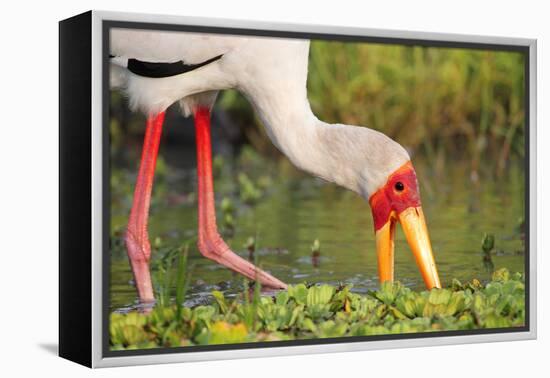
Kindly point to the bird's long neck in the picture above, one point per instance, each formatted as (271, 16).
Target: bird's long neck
(314, 146)
(357, 158)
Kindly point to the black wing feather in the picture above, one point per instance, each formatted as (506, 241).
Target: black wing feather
(159, 70)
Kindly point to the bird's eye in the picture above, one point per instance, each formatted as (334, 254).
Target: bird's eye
(399, 186)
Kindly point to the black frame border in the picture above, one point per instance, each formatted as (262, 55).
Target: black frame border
(108, 24)
(75, 188)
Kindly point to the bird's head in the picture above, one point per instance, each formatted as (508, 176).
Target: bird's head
(384, 175)
(398, 200)
(379, 169)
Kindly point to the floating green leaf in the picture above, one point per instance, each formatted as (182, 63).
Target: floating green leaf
(326, 311)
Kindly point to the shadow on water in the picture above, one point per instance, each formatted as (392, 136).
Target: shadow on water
(296, 209)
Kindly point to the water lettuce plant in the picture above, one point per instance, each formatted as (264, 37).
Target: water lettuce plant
(324, 311)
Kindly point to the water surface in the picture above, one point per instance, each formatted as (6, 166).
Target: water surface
(297, 209)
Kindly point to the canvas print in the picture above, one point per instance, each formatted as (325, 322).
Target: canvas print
(271, 189)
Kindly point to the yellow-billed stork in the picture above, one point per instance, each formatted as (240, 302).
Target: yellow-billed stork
(159, 68)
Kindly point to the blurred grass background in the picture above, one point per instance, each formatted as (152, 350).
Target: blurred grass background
(440, 103)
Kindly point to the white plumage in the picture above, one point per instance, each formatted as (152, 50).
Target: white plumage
(272, 74)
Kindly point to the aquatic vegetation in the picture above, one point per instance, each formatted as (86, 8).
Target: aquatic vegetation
(227, 216)
(249, 191)
(315, 253)
(326, 311)
(165, 278)
(316, 246)
(250, 244)
(487, 245)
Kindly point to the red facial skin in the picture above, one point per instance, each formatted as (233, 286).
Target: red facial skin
(388, 199)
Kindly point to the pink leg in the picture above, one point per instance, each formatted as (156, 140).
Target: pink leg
(137, 238)
(210, 243)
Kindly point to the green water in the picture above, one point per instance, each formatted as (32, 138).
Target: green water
(296, 209)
